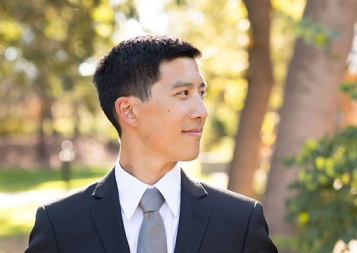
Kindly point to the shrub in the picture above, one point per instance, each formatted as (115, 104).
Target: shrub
(324, 208)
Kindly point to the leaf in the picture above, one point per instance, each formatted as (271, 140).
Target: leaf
(329, 167)
(303, 218)
(320, 162)
(103, 13)
(288, 161)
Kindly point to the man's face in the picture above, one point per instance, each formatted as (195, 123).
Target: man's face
(170, 123)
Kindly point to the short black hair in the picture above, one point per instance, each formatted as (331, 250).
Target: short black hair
(133, 66)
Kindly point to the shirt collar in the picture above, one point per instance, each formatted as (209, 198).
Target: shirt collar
(132, 189)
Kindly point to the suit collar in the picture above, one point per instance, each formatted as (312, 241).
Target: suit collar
(194, 216)
(132, 189)
(193, 186)
(106, 215)
(105, 184)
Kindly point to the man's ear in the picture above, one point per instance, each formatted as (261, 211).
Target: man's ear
(124, 110)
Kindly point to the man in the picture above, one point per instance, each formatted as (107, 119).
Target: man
(151, 90)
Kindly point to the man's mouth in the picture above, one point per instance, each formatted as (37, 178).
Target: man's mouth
(196, 132)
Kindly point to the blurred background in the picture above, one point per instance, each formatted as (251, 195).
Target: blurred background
(282, 78)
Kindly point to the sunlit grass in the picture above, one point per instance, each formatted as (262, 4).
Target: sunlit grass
(62, 185)
(17, 221)
(16, 180)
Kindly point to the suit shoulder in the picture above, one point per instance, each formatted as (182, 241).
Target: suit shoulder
(233, 212)
(228, 199)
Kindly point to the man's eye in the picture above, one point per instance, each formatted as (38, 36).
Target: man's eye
(184, 93)
(203, 94)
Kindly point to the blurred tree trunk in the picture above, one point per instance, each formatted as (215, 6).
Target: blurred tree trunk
(45, 119)
(310, 100)
(77, 119)
(260, 81)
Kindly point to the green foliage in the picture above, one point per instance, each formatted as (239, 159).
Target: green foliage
(350, 88)
(316, 34)
(286, 243)
(324, 208)
(45, 46)
(53, 38)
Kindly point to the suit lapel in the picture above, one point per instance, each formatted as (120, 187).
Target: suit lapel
(194, 216)
(106, 214)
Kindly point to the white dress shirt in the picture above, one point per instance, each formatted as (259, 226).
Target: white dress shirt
(130, 192)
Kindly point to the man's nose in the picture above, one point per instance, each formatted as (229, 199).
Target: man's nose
(199, 109)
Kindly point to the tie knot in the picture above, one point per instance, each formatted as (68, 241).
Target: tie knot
(152, 200)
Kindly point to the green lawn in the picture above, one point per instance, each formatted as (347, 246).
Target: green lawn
(17, 180)
(17, 221)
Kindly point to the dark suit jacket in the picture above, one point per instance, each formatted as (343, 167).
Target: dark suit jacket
(211, 221)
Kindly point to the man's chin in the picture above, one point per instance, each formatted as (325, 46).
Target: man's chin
(189, 158)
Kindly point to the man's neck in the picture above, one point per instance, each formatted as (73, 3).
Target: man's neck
(148, 171)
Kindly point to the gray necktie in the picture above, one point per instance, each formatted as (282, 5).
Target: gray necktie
(152, 236)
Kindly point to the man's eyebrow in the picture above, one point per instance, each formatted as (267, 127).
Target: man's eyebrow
(187, 85)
